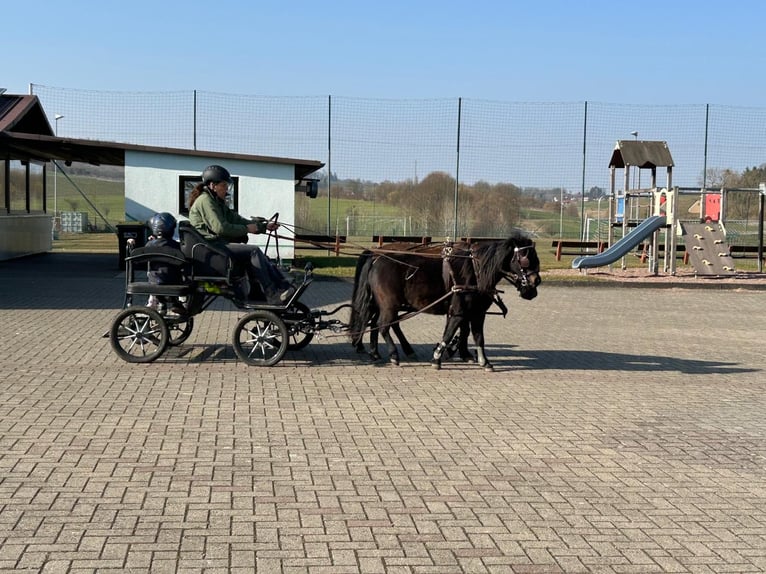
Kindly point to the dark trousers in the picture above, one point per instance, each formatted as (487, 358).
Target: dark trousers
(260, 270)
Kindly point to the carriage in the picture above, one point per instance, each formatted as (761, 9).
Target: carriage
(141, 334)
(460, 285)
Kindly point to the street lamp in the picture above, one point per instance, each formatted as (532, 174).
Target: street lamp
(57, 117)
(634, 133)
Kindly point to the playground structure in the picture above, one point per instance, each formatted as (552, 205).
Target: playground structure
(705, 239)
(642, 155)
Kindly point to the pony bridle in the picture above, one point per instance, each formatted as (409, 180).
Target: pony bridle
(520, 279)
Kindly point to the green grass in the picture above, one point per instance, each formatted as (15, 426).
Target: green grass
(86, 243)
(342, 266)
(108, 197)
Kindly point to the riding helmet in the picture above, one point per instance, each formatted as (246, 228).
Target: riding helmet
(216, 173)
(163, 224)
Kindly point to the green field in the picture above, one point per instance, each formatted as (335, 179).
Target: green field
(104, 196)
(312, 215)
(329, 265)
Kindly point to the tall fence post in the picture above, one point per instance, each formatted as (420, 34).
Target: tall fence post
(194, 122)
(329, 162)
(582, 185)
(704, 155)
(457, 164)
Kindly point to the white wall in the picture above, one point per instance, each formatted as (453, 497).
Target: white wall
(26, 234)
(151, 186)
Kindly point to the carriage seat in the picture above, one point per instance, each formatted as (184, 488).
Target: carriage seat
(208, 262)
(140, 258)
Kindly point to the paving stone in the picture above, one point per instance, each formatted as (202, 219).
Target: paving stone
(622, 430)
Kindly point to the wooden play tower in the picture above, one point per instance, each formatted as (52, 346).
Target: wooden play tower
(644, 155)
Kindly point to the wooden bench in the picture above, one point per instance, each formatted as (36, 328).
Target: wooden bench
(642, 251)
(323, 242)
(574, 247)
(745, 251)
(482, 239)
(382, 239)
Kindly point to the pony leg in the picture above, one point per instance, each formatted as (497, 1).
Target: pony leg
(477, 328)
(462, 348)
(374, 354)
(453, 323)
(406, 347)
(384, 322)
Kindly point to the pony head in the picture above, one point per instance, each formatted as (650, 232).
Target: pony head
(524, 269)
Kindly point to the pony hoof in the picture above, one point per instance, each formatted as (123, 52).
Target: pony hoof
(436, 365)
(374, 357)
(394, 362)
(489, 368)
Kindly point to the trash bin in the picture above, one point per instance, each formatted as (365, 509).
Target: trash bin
(137, 231)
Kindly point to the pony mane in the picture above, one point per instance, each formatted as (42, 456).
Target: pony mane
(492, 257)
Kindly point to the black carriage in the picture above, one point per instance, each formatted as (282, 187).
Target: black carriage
(261, 337)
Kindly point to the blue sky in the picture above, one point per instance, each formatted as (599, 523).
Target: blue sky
(649, 52)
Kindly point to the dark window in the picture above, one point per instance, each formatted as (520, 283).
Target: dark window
(186, 183)
(3, 186)
(18, 187)
(36, 187)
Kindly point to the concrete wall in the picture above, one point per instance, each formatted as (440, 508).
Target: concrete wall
(24, 235)
(151, 186)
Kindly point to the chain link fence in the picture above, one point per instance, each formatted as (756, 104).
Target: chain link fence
(558, 151)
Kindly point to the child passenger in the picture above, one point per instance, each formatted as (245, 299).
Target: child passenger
(163, 226)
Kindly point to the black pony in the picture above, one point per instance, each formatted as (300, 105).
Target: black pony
(460, 282)
(459, 343)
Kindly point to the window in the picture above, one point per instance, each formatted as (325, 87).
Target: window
(36, 188)
(17, 185)
(187, 183)
(3, 187)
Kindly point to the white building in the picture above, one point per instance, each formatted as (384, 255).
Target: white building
(156, 179)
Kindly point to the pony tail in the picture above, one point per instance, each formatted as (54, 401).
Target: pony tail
(361, 297)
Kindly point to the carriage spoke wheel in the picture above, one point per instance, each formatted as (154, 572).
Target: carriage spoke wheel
(300, 325)
(260, 338)
(179, 329)
(139, 335)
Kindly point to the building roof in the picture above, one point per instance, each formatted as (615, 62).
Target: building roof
(26, 134)
(641, 154)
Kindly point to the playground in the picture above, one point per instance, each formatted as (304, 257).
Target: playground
(650, 220)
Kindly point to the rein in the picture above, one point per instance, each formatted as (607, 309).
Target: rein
(406, 316)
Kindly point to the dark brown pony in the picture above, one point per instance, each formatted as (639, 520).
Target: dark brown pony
(459, 282)
(459, 343)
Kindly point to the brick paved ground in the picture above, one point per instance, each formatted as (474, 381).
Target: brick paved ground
(622, 431)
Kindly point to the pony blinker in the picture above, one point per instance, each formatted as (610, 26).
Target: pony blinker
(522, 259)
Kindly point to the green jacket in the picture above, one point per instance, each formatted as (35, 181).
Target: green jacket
(217, 222)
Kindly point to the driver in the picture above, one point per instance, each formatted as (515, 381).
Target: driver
(224, 227)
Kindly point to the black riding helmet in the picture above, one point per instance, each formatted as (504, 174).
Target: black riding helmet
(163, 224)
(216, 173)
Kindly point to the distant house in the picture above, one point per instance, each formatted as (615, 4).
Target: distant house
(156, 179)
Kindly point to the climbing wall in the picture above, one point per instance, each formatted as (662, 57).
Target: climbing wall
(707, 249)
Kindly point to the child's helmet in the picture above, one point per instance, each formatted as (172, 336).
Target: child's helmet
(163, 224)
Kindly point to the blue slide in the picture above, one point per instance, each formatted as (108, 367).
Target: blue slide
(623, 246)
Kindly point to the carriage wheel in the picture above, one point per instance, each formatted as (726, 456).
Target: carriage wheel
(179, 329)
(300, 325)
(139, 335)
(260, 338)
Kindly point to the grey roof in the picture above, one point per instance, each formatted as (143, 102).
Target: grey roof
(26, 134)
(641, 153)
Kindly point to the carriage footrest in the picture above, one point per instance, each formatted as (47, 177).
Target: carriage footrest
(145, 288)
